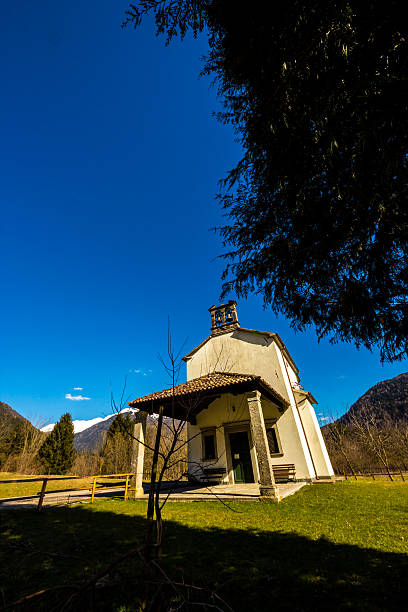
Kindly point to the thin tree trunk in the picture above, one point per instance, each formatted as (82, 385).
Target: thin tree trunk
(348, 463)
(151, 504)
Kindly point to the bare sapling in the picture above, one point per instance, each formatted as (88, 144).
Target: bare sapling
(375, 435)
(338, 437)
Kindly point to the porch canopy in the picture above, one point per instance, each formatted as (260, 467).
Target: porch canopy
(185, 401)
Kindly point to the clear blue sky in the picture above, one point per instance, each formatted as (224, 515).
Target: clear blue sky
(109, 166)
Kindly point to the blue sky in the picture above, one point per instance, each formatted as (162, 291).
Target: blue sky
(109, 166)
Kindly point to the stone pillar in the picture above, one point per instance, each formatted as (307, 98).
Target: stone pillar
(267, 486)
(138, 451)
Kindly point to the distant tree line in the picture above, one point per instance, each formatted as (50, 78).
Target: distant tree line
(25, 449)
(368, 440)
(115, 453)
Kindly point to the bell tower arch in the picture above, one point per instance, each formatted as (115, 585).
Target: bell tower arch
(224, 318)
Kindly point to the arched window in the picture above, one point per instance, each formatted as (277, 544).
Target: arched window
(228, 316)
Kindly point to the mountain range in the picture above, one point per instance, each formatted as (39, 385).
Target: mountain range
(388, 398)
(8, 416)
(90, 438)
(89, 433)
(80, 425)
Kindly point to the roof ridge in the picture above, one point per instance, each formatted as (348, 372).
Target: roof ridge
(205, 376)
(210, 382)
(233, 373)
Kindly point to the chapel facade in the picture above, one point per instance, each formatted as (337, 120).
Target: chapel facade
(248, 418)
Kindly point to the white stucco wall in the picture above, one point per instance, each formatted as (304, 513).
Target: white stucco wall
(293, 377)
(242, 352)
(317, 446)
(294, 431)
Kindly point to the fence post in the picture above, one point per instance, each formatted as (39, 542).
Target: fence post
(126, 487)
(402, 476)
(93, 489)
(42, 494)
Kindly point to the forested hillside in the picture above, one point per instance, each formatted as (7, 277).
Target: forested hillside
(8, 415)
(374, 431)
(19, 441)
(388, 398)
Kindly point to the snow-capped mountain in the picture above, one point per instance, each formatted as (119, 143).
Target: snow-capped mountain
(80, 425)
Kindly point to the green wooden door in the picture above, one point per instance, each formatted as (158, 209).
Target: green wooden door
(241, 457)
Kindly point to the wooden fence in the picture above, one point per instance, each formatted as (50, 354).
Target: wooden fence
(374, 472)
(95, 486)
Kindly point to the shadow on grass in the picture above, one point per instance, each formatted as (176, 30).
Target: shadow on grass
(249, 570)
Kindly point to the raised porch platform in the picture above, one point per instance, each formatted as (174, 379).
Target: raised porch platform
(224, 492)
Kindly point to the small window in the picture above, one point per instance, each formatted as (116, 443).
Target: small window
(272, 440)
(209, 447)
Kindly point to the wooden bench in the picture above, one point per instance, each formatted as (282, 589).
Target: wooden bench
(211, 474)
(284, 472)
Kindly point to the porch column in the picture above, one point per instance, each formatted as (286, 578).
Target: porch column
(267, 486)
(138, 451)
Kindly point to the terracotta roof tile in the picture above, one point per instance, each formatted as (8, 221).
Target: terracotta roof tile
(213, 382)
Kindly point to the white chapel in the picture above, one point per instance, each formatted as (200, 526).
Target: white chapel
(248, 418)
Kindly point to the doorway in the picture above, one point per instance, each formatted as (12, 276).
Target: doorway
(241, 457)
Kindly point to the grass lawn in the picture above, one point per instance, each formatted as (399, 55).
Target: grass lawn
(341, 547)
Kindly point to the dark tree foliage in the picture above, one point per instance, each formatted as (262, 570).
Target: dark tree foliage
(316, 208)
(57, 451)
(12, 440)
(15, 432)
(16, 437)
(117, 447)
(122, 424)
(173, 17)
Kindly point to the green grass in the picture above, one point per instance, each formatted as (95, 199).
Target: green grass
(342, 547)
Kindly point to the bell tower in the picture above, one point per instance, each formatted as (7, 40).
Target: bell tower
(224, 318)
